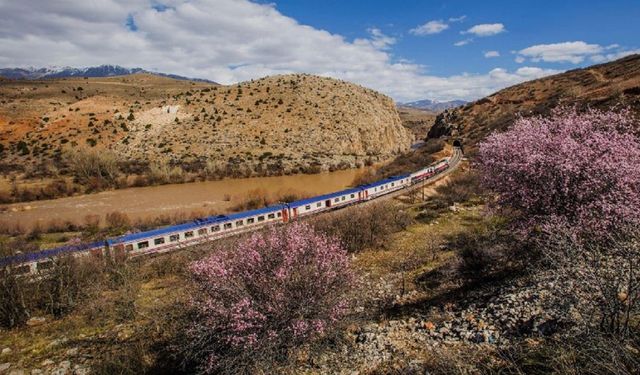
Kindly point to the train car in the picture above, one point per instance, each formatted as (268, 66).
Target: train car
(388, 185)
(42, 260)
(196, 231)
(422, 174)
(325, 202)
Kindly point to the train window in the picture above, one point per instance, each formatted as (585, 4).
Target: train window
(188, 234)
(202, 231)
(128, 247)
(343, 198)
(45, 265)
(251, 220)
(279, 214)
(353, 195)
(308, 207)
(22, 270)
(337, 200)
(393, 184)
(239, 223)
(215, 228)
(319, 204)
(260, 218)
(227, 226)
(158, 241)
(174, 237)
(143, 244)
(271, 216)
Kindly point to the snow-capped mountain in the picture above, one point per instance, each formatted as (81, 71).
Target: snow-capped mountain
(94, 71)
(434, 105)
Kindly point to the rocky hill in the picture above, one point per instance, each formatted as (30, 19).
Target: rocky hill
(600, 86)
(93, 71)
(278, 124)
(434, 105)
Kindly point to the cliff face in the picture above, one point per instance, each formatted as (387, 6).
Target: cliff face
(599, 86)
(289, 122)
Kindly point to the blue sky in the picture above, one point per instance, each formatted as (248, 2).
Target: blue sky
(527, 23)
(408, 49)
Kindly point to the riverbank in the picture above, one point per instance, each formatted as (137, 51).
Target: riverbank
(143, 203)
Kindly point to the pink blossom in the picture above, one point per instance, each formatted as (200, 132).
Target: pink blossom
(580, 169)
(273, 290)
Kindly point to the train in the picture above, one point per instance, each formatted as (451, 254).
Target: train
(213, 227)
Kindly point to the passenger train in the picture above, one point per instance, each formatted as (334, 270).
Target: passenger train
(213, 227)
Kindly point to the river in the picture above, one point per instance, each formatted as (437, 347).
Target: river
(152, 201)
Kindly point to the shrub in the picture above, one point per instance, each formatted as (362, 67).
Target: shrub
(91, 164)
(66, 283)
(271, 293)
(361, 228)
(582, 169)
(596, 281)
(14, 292)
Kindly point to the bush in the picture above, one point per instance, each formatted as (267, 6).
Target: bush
(66, 283)
(596, 281)
(361, 228)
(582, 169)
(14, 304)
(91, 165)
(271, 293)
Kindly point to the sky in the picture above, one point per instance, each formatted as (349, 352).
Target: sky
(407, 49)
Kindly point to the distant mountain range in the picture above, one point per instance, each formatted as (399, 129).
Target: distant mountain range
(94, 71)
(433, 105)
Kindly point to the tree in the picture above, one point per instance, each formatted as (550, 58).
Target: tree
(577, 169)
(270, 293)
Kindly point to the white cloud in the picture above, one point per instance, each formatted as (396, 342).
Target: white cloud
(462, 42)
(378, 40)
(574, 52)
(223, 40)
(486, 29)
(490, 54)
(431, 27)
(613, 56)
(458, 19)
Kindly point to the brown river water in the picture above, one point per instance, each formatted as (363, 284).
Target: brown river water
(152, 201)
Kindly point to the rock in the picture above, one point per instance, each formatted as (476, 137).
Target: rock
(36, 320)
(17, 372)
(429, 326)
(63, 368)
(6, 351)
(4, 366)
(37, 371)
(81, 370)
(72, 351)
(47, 362)
(59, 341)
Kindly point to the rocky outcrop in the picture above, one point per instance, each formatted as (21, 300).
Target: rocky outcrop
(599, 86)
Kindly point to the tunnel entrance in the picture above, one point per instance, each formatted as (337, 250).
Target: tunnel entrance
(457, 143)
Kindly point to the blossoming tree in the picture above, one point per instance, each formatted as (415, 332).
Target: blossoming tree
(273, 291)
(575, 169)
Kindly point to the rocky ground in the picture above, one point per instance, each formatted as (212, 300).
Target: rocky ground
(490, 318)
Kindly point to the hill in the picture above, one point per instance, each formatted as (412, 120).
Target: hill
(418, 121)
(94, 71)
(599, 86)
(274, 125)
(434, 105)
